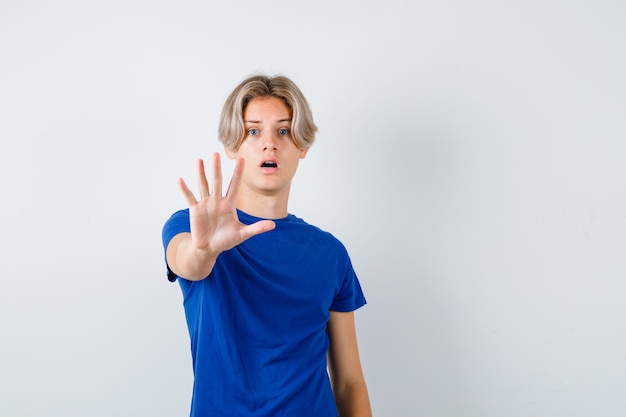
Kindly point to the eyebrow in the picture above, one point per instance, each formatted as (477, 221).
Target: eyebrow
(258, 121)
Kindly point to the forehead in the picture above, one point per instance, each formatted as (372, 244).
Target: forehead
(268, 107)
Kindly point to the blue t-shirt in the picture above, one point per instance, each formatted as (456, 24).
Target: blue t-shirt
(257, 323)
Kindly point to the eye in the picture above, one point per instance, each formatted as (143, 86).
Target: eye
(283, 131)
(253, 132)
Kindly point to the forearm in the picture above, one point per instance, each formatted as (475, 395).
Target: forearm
(189, 262)
(352, 400)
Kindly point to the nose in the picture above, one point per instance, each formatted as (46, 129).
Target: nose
(270, 142)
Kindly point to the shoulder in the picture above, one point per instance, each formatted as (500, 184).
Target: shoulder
(316, 235)
(179, 217)
(180, 214)
(177, 223)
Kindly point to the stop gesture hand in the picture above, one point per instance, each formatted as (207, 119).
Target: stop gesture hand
(215, 226)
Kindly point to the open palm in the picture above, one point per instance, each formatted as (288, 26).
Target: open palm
(213, 219)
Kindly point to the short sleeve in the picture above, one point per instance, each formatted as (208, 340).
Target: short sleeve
(350, 295)
(176, 224)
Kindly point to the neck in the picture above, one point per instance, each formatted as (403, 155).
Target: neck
(263, 206)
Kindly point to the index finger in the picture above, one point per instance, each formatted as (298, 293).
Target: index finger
(235, 180)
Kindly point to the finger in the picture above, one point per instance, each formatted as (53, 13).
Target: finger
(203, 184)
(235, 181)
(189, 197)
(217, 175)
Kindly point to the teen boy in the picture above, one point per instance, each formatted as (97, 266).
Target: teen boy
(269, 299)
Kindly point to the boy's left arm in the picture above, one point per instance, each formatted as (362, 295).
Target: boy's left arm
(344, 366)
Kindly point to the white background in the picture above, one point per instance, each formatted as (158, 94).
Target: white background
(471, 156)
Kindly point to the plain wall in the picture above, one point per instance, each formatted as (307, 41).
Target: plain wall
(471, 156)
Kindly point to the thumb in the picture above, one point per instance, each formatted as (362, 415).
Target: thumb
(257, 228)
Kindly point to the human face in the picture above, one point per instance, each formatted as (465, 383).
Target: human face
(271, 157)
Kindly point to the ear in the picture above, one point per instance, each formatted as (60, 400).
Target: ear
(230, 154)
(303, 153)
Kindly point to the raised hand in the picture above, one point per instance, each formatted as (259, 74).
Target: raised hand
(214, 223)
(215, 226)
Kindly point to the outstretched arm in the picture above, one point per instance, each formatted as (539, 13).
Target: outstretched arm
(214, 224)
(344, 365)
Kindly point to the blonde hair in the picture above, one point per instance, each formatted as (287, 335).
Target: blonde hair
(231, 131)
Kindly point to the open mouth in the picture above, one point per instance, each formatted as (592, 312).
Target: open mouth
(269, 164)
